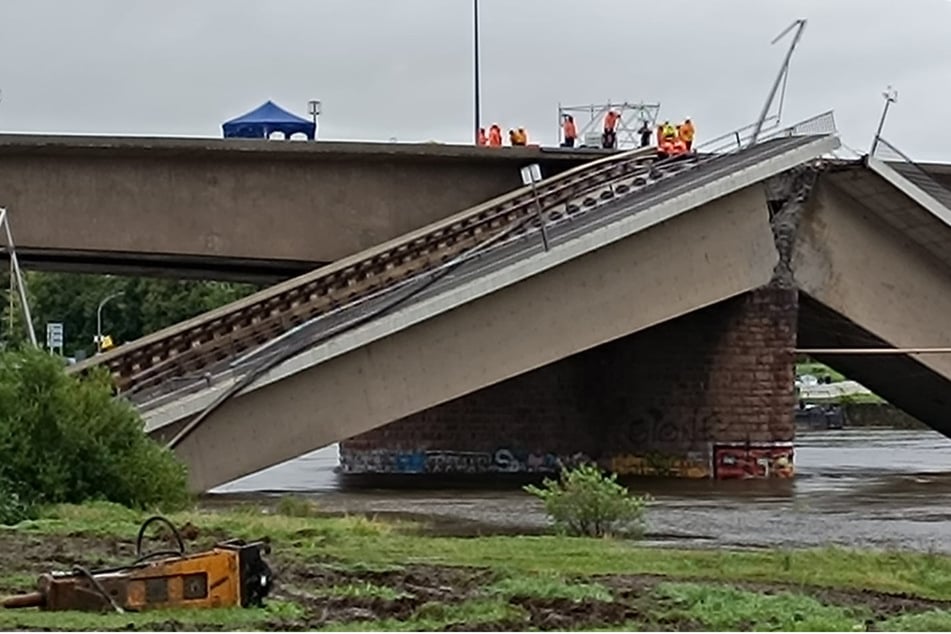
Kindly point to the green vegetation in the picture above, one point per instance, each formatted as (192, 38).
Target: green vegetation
(351, 573)
(360, 590)
(144, 305)
(549, 586)
(929, 621)
(229, 618)
(728, 608)
(63, 439)
(585, 501)
(294, 506)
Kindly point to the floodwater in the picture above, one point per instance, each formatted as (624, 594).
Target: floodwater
(866, 487)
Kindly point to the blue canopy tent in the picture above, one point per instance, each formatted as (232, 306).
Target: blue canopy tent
(262, 121)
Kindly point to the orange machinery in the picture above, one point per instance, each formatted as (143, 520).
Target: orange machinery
(232, 573)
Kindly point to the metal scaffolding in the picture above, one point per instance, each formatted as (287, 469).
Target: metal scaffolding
(16, 276)
(633, 116)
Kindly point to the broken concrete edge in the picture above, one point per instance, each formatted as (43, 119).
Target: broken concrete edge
(471, 290)
(796, 188)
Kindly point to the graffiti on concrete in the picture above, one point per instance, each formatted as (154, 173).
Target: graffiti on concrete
(658, 464)
(760, 460)
(503, 460)
(659, 428)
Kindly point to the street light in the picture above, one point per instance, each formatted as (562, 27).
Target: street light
(475, 45)
(891, 96)
(99, 319)
(313, 109)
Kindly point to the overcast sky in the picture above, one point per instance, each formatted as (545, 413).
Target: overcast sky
(403, 68)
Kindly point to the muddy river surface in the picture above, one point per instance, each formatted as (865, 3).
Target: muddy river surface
(857, 487)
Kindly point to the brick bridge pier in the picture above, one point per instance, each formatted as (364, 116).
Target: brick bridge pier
(705, 395)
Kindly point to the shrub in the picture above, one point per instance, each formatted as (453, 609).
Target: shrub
(65, 439)
(12, 507)
(586, 502)
(293, 506)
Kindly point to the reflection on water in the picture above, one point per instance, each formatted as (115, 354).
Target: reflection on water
(861, 486)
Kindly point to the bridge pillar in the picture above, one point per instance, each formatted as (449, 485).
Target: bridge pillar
(707, 395)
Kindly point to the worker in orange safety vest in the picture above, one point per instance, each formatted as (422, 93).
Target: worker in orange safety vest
(495, 135)
(609, 136)
(481, 138)
(570, 131)
(687, 133)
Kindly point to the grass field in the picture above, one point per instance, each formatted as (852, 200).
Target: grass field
(354, 573)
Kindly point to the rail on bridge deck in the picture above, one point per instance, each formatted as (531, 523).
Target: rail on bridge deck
(354, 345)
(873, 263)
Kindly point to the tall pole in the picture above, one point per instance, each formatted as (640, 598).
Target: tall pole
(475, 40)
(779, 78)
(891, 96)
(99, 320)
(16, 272)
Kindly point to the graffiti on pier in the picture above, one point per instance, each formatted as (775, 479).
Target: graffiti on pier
(657, 427)
(502, 460)
(760, 460)
(658, 464)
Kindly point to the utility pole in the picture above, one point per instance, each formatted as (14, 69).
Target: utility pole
(475, 44)
(781, 77)
(891, 96)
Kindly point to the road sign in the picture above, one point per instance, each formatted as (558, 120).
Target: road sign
(531, 174)
(54, 336)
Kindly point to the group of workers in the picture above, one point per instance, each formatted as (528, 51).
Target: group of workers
(494, 138)
(675, 140)
(672, 140)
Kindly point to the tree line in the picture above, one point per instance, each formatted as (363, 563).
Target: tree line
(141, 306)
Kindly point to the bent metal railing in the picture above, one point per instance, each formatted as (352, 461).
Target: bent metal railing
(901, 163)
(332, 321)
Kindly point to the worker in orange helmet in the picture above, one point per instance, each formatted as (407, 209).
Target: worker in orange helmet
(687, 133)
(481, 138)
(495, 135)
(570, 131)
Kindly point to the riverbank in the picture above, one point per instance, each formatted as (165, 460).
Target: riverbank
(354, 572)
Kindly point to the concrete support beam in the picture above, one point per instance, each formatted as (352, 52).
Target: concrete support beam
(858, 268)
(717, 251)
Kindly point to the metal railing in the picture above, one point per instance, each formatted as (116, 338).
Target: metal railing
(901, 163)
(324, 326)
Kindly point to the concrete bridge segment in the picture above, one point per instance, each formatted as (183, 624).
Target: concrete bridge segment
(594, 288)
(873, 256)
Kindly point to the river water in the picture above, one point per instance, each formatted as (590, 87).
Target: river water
(865, 487)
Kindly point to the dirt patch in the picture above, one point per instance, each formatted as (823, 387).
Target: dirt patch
(565, 614)
(421, 583)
